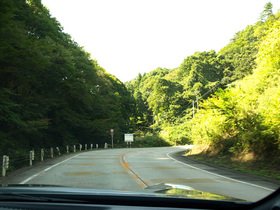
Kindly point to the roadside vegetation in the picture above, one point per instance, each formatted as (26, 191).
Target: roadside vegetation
(226, 103)
(149, 140)
(53, 93)
(242, 122)
(246, 162)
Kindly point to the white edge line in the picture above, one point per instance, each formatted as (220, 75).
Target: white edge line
(254, 185)
(33, 176)
(28, 179)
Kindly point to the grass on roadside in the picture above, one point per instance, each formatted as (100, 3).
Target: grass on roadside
(268, 166)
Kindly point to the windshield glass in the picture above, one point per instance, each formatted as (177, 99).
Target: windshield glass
(173, 97)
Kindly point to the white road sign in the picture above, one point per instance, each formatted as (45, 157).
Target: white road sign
(128, 137)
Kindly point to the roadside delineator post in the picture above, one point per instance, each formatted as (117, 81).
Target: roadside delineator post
(96, 146)
(31, 157)
(58, 151)
(91, 145)
(74, 150)
(51, 152)
(5, 164)
(67, 149)
(85, 146)
(81, 147)
(42, 154)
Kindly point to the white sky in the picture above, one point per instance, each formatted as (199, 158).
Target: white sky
(131, 36)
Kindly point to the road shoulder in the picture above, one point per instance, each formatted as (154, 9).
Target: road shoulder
(230, 173)
(17, 175)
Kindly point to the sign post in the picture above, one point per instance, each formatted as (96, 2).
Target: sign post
(112, 134)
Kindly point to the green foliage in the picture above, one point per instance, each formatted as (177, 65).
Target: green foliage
(242, 50)
(150, 140)
(243, 111)
(164, 94)
(202, 70)
(246, 116)
(267, 12)
(52, 92)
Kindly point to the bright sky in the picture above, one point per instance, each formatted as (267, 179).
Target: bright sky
(131, 36)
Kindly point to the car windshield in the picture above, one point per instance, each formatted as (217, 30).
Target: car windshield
(174, 97)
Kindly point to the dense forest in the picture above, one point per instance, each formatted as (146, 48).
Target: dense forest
(227, 101)
(53, 93)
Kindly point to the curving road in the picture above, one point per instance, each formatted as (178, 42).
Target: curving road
(134, 169)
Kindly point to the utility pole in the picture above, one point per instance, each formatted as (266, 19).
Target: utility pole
(153, 123)
(197, 103)
(193, 107)
(196, 92)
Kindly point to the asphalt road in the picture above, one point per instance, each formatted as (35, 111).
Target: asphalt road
(138, 168)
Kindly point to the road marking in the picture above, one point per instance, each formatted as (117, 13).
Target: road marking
(225, 177)
(28, 179)
(142, 183)
(91, 164)
(183, 180)
(35, 175)
(83, 173)
(89, 173)
(161, 167)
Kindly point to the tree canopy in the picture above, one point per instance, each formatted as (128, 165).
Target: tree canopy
(224, 91)
(52, 92)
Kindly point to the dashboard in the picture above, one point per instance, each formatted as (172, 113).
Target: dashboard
(72, 198)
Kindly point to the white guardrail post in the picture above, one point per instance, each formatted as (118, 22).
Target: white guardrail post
(85, 146)
(74, 150)
(91, 145)
(31, 157)
(5, 164)
(51, 152)
(96, 146)
(67, 149)
(58, 151)
(42, 154)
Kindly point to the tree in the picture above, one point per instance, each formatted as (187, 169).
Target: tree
(53, 92)
(267, 12)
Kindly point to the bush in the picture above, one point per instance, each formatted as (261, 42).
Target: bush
(151, 140)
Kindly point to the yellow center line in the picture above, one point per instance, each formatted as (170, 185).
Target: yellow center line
(142, 183)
